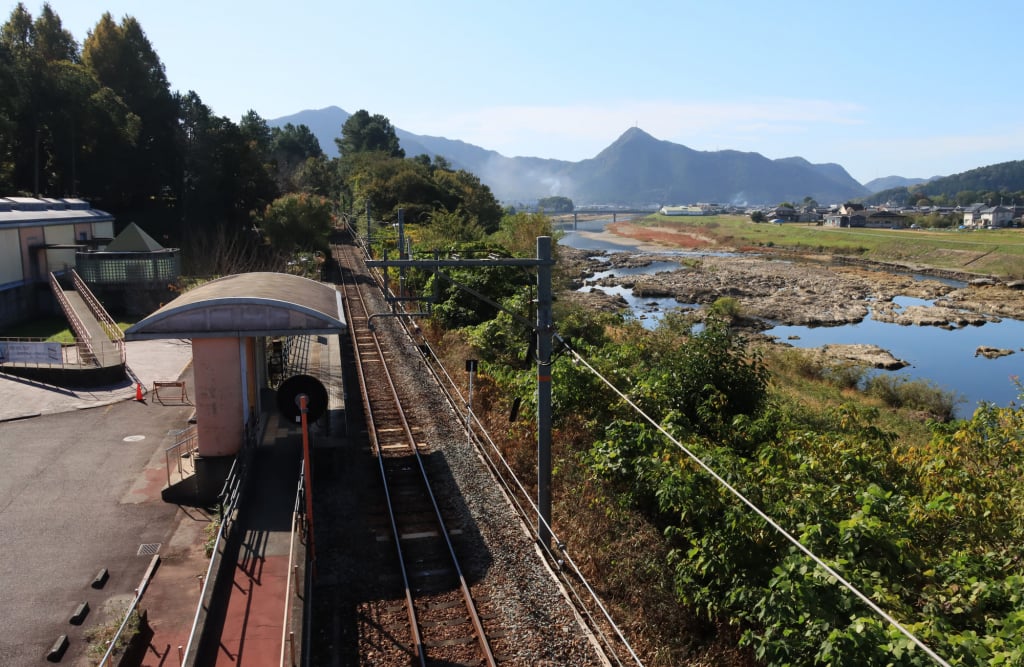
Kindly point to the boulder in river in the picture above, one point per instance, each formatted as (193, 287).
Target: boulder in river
(863, 354)
(991, 352)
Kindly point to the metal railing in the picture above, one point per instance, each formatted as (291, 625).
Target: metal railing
(292, 588)
(72, 355)
(228, 502)
(114, 645)
(77, 326)
(183, 452)
(113, 331)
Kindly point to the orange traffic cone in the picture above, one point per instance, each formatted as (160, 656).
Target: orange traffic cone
(138, 391)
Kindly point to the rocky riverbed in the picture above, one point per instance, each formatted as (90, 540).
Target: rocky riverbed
(809, 290)
(806, 290)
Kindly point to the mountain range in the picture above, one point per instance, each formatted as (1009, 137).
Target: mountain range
(635, 170)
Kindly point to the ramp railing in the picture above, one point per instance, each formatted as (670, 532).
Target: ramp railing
(113, 331)
(77, 326)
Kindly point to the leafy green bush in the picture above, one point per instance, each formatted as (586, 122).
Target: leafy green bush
(844, 376)
(459, 304)
(931, 536)
(924, 395)
(695, 384)
(725, 307)
(930, 531)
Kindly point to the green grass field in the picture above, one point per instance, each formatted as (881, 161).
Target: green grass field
(51, 329)
(998, 252)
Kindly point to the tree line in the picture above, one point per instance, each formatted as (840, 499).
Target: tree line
(992, 185)
(99, 121)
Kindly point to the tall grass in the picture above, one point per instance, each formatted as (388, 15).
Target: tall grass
(923, 395)
(809, 366)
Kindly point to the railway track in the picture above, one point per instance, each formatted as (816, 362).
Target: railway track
(436, 621)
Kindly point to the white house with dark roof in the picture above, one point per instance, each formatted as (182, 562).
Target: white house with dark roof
(996, 216)
(972, 215)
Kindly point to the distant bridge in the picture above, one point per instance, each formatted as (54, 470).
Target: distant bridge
(601, 212)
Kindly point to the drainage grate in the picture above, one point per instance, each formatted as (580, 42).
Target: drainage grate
(148, 549)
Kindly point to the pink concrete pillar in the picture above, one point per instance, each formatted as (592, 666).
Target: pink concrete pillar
(220, 389)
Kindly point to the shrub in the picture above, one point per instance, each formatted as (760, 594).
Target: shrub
(726, 307)
(844, 376)
(925, 395)
(100, 636)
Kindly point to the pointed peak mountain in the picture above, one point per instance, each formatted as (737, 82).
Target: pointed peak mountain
(634, 134)
(635, 131)
(637, 168)
(634, 140)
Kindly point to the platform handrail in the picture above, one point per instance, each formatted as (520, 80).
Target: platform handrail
(292, 585)
(228, 502)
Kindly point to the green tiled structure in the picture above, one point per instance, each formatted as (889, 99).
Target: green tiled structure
(133, 273)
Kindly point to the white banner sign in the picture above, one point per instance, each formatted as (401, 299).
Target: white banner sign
(30, 353)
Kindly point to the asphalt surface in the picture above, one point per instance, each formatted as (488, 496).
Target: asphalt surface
(79, 493)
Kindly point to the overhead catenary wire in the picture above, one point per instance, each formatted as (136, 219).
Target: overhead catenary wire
(764, 516)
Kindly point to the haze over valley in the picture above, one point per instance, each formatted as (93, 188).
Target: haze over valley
(637, 169)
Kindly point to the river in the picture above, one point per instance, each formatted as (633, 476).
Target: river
(944, 357)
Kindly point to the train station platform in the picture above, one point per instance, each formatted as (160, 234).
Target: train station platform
(252, 606)
(260, 573)
(255, 579)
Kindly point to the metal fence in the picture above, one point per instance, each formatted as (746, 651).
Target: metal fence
(41, 353)
(114, 333)
(183, 453)
(293, 594)
(228, 502)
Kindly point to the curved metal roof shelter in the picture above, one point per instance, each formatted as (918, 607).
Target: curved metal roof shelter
(247, 304)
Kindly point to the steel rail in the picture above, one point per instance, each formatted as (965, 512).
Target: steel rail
(353, 289)
(351, 294)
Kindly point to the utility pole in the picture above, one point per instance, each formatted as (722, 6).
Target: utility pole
(545, 328)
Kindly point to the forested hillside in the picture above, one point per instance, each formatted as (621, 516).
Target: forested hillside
(98, 120)
(991, 185)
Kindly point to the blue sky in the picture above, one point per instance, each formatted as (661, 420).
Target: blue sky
(904, 87)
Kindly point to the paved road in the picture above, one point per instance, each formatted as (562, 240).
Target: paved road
(148, 361)
(79, 492)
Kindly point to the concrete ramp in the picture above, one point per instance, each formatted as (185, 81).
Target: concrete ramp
(101, 342)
